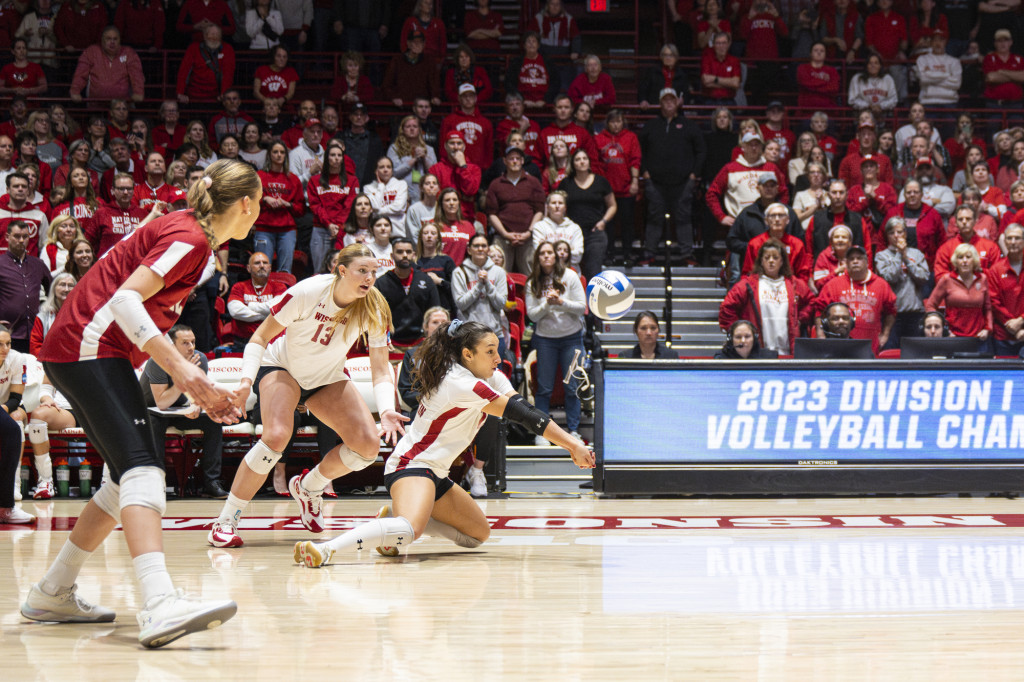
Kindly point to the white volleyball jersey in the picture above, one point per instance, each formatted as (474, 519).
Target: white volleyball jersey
(447, 421)
(312, 349)
(11, 373)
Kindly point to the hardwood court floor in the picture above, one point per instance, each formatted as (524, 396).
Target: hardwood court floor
(907, 589)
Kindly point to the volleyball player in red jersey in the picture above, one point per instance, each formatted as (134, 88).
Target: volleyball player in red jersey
(112, 320)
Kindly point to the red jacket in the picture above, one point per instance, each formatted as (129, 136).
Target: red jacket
(333, 204)
(478, 133)
(282, 186)
(825, 268)
(742, 303)
(111, 225)
(799, 258)
(987, 250)
(884, 31)
(618, 154)
(466, 180)
(1004, 290)
(968, 311)
(199, 81)
(870, 301)
(927, 231)
(885, 199)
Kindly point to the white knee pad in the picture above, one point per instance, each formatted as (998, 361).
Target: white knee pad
(144, 487)
(261, 458)
(395, 532)
(38, 432)
(463, 540)
(353, 461)
(108, 498)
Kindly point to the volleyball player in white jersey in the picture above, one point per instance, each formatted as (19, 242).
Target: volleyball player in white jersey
(322, 318)
(12, 365)
(459, 384)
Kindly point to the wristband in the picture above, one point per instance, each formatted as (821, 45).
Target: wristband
(252, 358)
(384, 396)
(131, 316)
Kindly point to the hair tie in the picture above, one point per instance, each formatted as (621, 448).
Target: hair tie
(454, 327)
(208, 181)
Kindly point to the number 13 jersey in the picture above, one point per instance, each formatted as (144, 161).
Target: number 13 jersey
(312, 349)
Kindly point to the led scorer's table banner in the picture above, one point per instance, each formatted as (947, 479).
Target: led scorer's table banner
(802, 414)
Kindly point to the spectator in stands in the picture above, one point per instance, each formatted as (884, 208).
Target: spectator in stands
(21, 276)
(362, 144)
(480, 289)
(761, 29)
(123, 162)
(60, 287)
(436, 264)
(108, 70)
(530, 75)
(250, 149)
(79, 24)
(719, 142)
(249, 301)
(79, 199)
(924, 24)
(873, 199)
(361, 26)
(647, 330)
(17, 117)
(620, 159)
(591, 205)
(78, 157)
(37, 27)
(721, 74)
(6, 158)
(64, 230)
(673, 153)
(1004, 74)
(35, 197)
(778, 218)
(412, 74)
(275, 81)
(710, 22)
(885, 32)
(835, 213)
(555, 303)
(923, 225)
(456, 230)
(195, 133)
(297, 17)
(142, 24)
(331, 194)
(273, 125)
(118, 219)
(971, 155)
(809, 201)
(153, 189)
(774, 130)
(15, 205)
(199, 15)
(984, 224)
(873, 88)
(557, 166)
(867, 139)
(937, 195)
(483, 28)
(351, 85)
(466, 71)
(556, 227)
(160, 392)
(264, 26)
(832, 261)
(421, 212)
(593, 86)
(828, 144)
(432, 319)
(869, 297)
(1010, 172)
(565, 129)
(47, 149)
(1002, 140)
(389, 195)
(229, 121)
(359, 226)
(1006, 295)
(993, 202)
(21, 75)
(208, 69)
(283, 201)
(455, 171)
(797, 165)
(772, 298)
(940, 74)
(307, 158)
(668, 74)
(229, 147)
(169, 134)
(476, 130)
(559, 38)
(906, 270)
(987, 249)
(921, 148)
(423, 21)
(409, 293)
(819, 83)
(516, 121)
(752, 222)
(411, 156)
(735, 186)
(965, 295)
(515, 202)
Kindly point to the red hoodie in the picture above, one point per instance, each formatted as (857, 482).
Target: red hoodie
(574, 136)
(466, 180)
(281, 186)
(32, 216)
(333, 204)
(618, 154)
(478, 133)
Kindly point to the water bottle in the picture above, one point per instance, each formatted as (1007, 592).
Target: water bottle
(63, 479)
(25, 473)
(85, 479)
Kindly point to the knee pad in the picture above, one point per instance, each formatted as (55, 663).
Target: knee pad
(38, 432)
(144, 487)
(395, 531)
(108, 498)
(261, 459)
(463, 540)
(352, 460)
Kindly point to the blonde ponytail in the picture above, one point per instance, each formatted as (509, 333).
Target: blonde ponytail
(225, 182)
(371, 312)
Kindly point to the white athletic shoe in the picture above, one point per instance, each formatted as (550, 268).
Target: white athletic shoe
(383, 513)
(312, 555)
(170, 616)
(63, 607)
(12, 515)
(477, 482)
(224, 535)
(311, 505)
(43, 490)
(541, 442)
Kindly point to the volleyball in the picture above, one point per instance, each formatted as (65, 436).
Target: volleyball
(610, 295)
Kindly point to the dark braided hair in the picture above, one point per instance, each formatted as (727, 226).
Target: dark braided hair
(442, 350)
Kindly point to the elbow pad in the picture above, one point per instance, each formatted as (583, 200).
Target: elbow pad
(526, 415)
(131, 316)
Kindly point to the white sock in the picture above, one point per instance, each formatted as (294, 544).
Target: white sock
(151, 570)
(374, 534)
(232, 511)
(435, 528)
(65, 568)
(314, 481)
(44, 467)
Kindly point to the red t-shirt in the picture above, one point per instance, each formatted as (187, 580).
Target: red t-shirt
(25, 77)
(275, 83)
(455, 240)
(727, 68)
(762, 34)
(146, 195)
(870, 302)
(173, 246)
(1003, 91)
(111, 225)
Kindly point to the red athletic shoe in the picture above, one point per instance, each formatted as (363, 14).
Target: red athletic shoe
(310, 504)
(224, 535)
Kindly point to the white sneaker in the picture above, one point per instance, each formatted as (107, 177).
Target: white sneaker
(541, 442)
(224, 535)
(383, 513)
(577, 436)
(12, 515)
(311, 505)
(170, 616)
(63, 607)
(312, 555)
(477, 482)
(43, 490)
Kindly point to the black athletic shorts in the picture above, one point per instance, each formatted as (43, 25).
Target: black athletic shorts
(304, 393)
(441, 485)
(107, 400)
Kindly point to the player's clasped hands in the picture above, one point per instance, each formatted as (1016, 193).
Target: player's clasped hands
(582, 456)
(216, 400)
(392, 426)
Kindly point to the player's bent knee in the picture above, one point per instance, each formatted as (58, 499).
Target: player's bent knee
(144, 487)
(276, 437)
(108, 499)
(356, 461)
(37, 432)
(261, 458)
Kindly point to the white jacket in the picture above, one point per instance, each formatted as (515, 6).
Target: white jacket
(254, 27)
(544, 230)
(391, 200)
(300, 159)
(867, 92)
(941, 77)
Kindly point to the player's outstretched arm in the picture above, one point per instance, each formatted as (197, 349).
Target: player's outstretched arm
(514, 407)
(392, 422)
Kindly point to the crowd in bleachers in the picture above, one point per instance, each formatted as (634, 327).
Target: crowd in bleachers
(495, 217)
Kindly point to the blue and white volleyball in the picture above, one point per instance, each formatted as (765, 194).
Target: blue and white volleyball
(610, 295)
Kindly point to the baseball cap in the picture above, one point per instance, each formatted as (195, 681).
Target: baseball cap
(868, 158)
(856, 247)
(467, 87)
(1003, 33)
(775, 104)
(750, 137)
(665, 92)
(358, 106)
(310, 122)
(454, 135)
(766, 177)
(512, 149)
(923, 161)
(939, 32)
(416, 35)
(836, 228)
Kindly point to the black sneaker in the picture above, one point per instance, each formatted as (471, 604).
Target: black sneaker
(214, 490)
